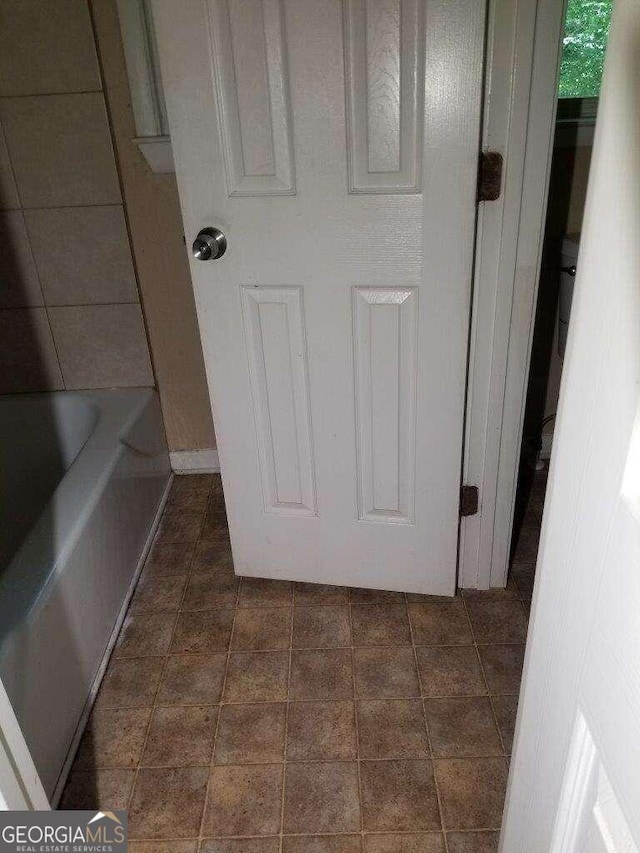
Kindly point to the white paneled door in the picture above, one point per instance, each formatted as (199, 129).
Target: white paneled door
(575, 773)
(335, 144)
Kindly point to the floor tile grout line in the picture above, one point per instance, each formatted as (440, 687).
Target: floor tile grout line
(355, 721)
(164, 663)
(204, 535)
(222, 687)
(215, 742)
(313, 648)
(277, 606)
(193, 545)
(373, 760)
(486, 681)
(375, 832)
(426, 728)
(286, 726)
(366, 698)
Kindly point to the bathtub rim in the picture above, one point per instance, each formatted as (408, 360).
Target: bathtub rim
(72, 498)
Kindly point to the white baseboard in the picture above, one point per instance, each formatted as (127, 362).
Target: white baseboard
(545, 445)
(188, 461)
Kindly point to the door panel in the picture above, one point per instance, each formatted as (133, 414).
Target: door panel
(385, 84)
(575, 771)
(384, 334)
(252, 82)
(590, 819)
(276, 350)
(335, 144)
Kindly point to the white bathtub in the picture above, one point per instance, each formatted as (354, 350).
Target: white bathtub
(82, 478)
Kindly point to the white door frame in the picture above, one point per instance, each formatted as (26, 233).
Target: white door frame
(523, 53)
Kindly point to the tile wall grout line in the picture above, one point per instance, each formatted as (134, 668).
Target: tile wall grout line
(62, 94)
(426, 726)
(39, 274)
(56, 348)
(56, 305)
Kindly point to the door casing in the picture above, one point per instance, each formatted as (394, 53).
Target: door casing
(522, 66)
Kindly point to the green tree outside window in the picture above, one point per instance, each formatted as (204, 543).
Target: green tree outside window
(585, 37)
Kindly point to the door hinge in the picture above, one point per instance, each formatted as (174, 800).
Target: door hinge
(490, 176)
(468, 501)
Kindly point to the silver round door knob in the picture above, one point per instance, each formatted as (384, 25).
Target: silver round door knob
(209, 245)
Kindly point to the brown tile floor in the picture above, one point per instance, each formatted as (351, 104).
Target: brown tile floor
(250, 716)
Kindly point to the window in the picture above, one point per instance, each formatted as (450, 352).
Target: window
(145, 83)
(586, 30)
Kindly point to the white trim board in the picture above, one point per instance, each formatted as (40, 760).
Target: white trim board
(523, 51)
(145, 84)
(528, 251)
(158, 153)
(189, 461)
(143, 72)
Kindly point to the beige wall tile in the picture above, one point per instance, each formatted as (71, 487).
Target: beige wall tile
(101, 346)
(19, 284)
(83, 255)
(28, 359)
(161, 260)
(46, 46)
(8, 190)
(60, 150)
